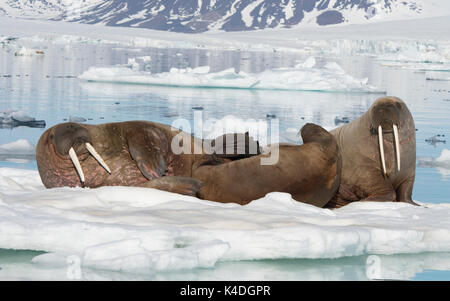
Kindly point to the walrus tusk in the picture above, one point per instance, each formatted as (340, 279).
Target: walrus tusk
(380, 140)
(97, 157)
(397, 145)
(76, 162)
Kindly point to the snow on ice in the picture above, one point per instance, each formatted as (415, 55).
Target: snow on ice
(304, 76)
(140, 230)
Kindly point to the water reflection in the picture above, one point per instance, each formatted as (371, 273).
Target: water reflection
(17, 265)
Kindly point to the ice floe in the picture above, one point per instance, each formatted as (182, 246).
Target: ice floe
(13, 118)
(141, 230)
(305, 76)
(20, 151)
(21, 146)
(441, 163)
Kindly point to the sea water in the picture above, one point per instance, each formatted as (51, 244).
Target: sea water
(46, 87)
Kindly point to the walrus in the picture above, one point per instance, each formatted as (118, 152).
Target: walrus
(309, 172)
(378, 155)
(139, 153)
(135, 153)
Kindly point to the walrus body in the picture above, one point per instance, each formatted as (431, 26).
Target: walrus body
(363, 176)
(139, 153)
(309, 172)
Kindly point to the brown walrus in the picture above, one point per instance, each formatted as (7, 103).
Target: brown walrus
(309, 172)
(135, 153)
(378, 155)
(139, 153)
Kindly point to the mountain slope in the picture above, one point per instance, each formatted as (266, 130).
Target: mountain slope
(230, 15)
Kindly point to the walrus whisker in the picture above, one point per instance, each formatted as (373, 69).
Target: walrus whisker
(380, 140)
(76, 163)
(97, 157)
(397, 145)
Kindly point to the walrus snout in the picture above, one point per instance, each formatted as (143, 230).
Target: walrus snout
(72, 139)
(385, 113)
(385, 116)
(70, 135)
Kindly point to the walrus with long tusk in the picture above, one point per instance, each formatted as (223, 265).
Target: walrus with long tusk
(139, 153)
(135, 153)
(378, 155)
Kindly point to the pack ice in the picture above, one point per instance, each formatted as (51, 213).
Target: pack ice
(140, 230)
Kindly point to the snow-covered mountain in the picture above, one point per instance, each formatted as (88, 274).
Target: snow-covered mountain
(230, 15)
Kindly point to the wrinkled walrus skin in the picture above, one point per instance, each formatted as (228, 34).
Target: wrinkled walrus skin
(363, 176)
(309, 172)
(138, 153)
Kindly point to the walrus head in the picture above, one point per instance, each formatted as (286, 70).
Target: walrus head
(70, 141)
(385, 115)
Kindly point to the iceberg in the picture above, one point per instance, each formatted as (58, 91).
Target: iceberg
(132, 229)
(12, 118)
(303, 77)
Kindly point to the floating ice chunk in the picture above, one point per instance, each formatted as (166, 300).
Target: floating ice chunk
(77, 119)
(444, 158)
(21, 116)
(330, 78)
(11, 118)
(441, 163)
(21, 146)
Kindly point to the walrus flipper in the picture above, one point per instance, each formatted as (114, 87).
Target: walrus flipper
(181, 185)
(148, 156)
(235, 146)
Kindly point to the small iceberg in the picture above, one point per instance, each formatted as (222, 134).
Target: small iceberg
(441, 163)
(11, 118)
(305, 76)
(20, 151)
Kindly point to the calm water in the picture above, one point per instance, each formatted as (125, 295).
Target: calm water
(46, 87)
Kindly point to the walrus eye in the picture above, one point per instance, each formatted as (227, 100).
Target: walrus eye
(380, 140)
(97, 157)
(76, 163)
(397, 145)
